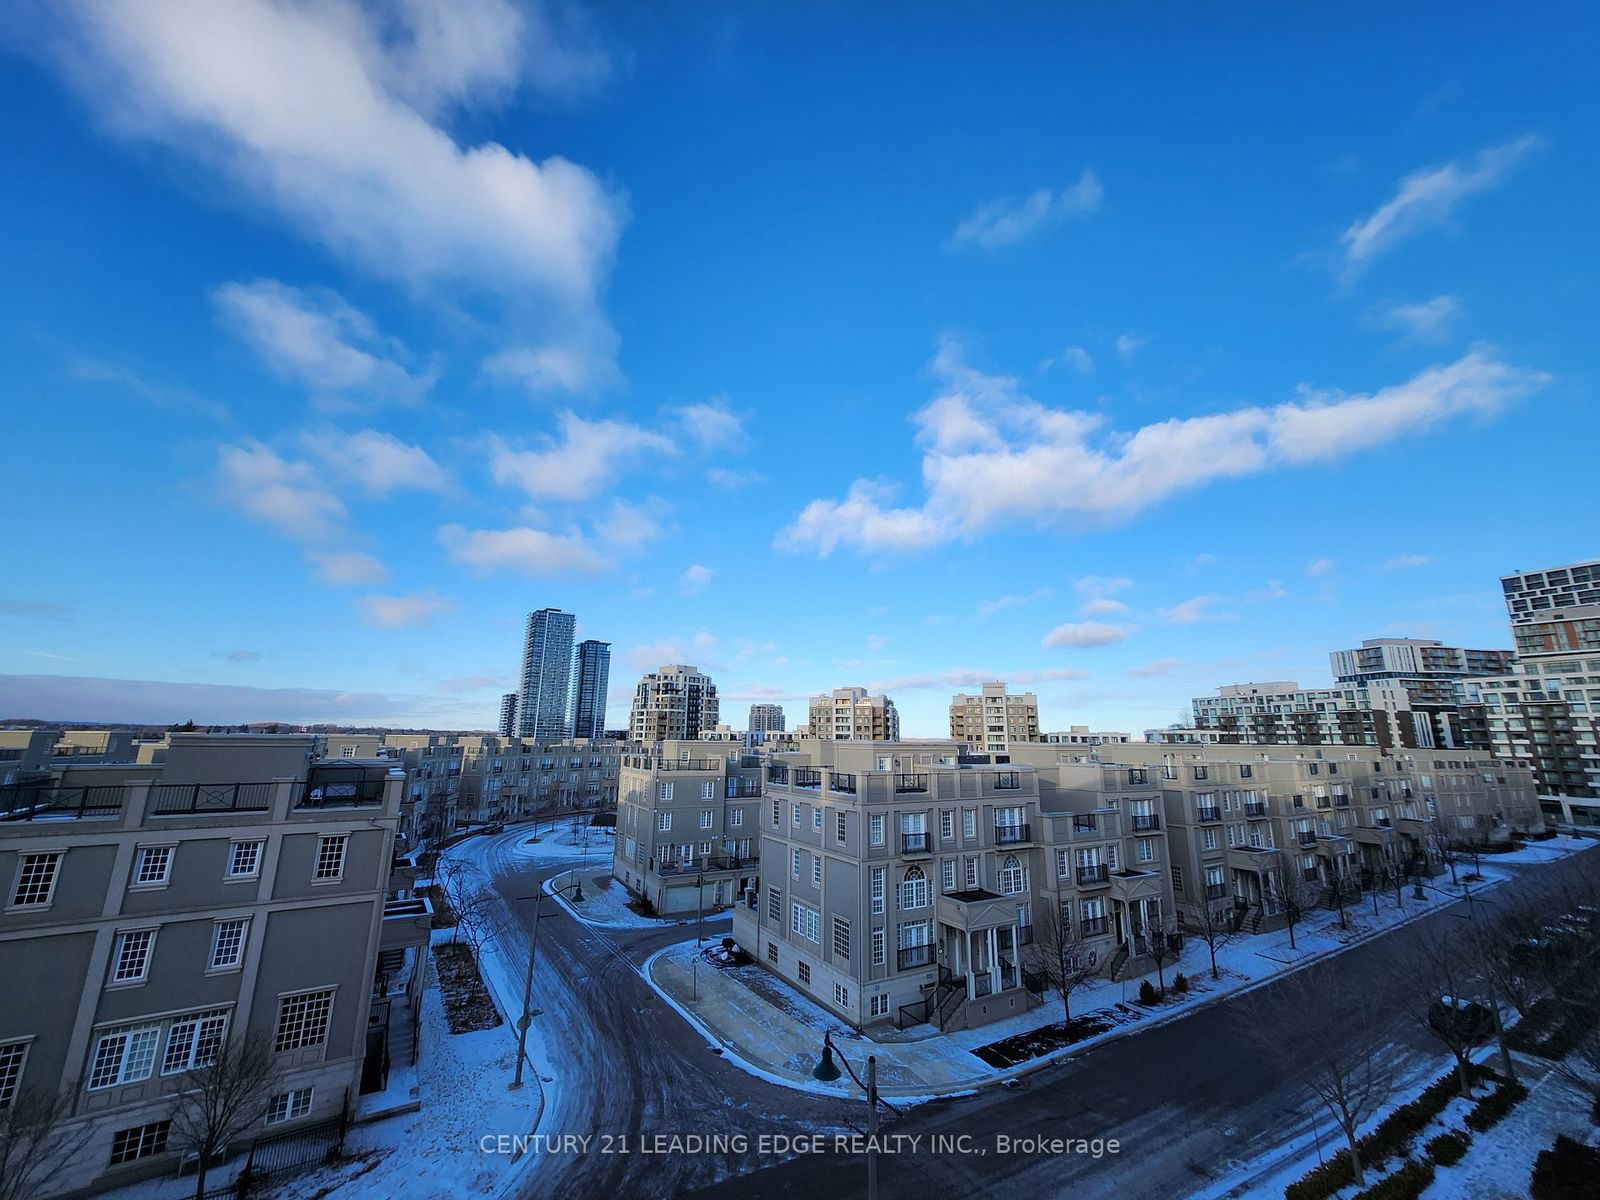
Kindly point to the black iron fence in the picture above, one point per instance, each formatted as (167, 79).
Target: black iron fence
(24, 803)
(167, 799)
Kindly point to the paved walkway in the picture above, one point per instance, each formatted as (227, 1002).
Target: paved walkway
(774, 1030)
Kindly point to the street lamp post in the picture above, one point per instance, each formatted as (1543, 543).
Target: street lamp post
(527, 982)
(699, 917)
(827, 1071)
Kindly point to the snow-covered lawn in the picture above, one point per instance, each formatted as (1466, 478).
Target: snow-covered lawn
(1552, 850)
(1499, 1163)
(605, 901)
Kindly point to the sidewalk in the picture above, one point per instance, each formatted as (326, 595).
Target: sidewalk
(605, 901)
(773, 1030)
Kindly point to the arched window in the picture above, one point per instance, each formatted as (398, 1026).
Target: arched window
(914, 889)
(1011, 876)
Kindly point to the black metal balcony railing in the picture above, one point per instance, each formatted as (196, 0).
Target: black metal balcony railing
(1092, 926)
(778, 775)
(1084, 824)
(908, 957)
(1306, 837)
(1209, 814)
(840, 781)
(1145, 822)
(1342, 801)
(1309, 874)
(1025, 935)
(742, 789)
(915, 843)
(806, 777)
(1136, 775)
(1255, 808)
(712, 862)
(361, 793)
(171, 798)
(1099, 873)
(1384, 823)
(1007, 781)
(57, 804)
(910, 783)
(1216, 891)
(1010, 835)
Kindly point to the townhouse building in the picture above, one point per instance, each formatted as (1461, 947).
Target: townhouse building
(900, 881)
(158, 913)
(687, 819)
(994, 718)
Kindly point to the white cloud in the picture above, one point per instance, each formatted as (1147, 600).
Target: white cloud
(542, 371)
(531, 551)
(289, 496)
(695, 579)
(347, 568)
(969, 678)
(403, 612)
(1006, 222)
(1406, 562)
(314, 338)
(327, 116)
(1102, 585)
(1319, 566)
(988, 608)
(994, 457)
(1197, 608)
(1274, 590)
(876, 642)
(712, 426)
(1129, 344)
(1425, 321)
(1084, 634)
(701, 650)
(724, 477)
(1102, 606)
(1159, 667)
(378, 463)
(629, 526)
(1428, 198)
(1079, 359)
(581, 462)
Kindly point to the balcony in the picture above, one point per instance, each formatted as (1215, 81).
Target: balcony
(59, 804)
(1208, 814)
(806, 777)
(910, 783)
(1085, 823)
(1255, 808)
(1092, 927)
(406, 923)
(910, 957)
(1145, 822)
(355, 793)
(1007, 781)
(778, 775)
(1010, 835)
(916, 843)
(842, 782)
(1093, 875)
(709, 862)
(1341, 801)
(1216, 891)
(1306, 837)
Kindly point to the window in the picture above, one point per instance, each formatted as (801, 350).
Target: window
(969, 823)
(140, 1141)
(772, 952)
(708, 789)
(774, 904)
(1011, 876)
(947, 825)
(839, 827)
(124, 1055)
(663, 822)
(879, 948)
(154, 866)
(36, 879)
(287, 1106)
(876, 888)
(706, 817)
(194, 1041)
(1177, 878)
(227, 943)
(816, 818)
(972, 872)
(777, 812)
(330, 857)
(878, 1005)
(12, 1056)
(794, 864)
(947, 874)
(841, 938)
(1208, 837)
(1063, 863)
(841, 995)
(244, 860)
(131, 962)
(1146, 850)
(736, 818)
(665, 793)
(914, 889)
(805, 921)
(875, 829)
(816, 869)
(303, 1020)
(1111, 857)
(794, 815)
(805, 973)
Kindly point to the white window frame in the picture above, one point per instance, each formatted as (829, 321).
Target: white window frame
(735, 818)
(290, 1105)
(880, 948)
(13, 1064)
(315, 1004)
(875, 831)
(131, 1048)
(154, 861)
(37, 862)
(194, 1040)
(664, 792)
(877, 887)
(323, 870)
(708, 789)
(707, 818)
(219, 930)
(816, 870)
(664, 822)
(141, 944)
(254, 848)
(841, 938)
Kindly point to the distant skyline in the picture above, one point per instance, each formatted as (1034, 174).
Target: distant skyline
(1119, 353)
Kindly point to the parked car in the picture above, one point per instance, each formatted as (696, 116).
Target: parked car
(1455, 1018)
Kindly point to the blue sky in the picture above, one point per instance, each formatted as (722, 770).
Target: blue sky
(1122, 353)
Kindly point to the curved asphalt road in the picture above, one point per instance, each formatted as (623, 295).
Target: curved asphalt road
(1188, 1101)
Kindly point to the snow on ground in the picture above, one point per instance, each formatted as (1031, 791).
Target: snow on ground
(1499, 1164)
(557, 840)
(604, 903)
(1551, 850)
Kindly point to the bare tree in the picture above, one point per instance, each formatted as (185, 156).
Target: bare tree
(1058, 953)
(220, 1100)
(471, 902)
(1214, 925)
(1298, 896)
(1444, 850)
(1164, 946)
(38, 1139)
(1579, 1072)
(1313, 1025)
(1437, 965)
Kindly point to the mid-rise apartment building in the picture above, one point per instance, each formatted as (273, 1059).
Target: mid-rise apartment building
(591, 675)
(766, 718)
(900, 881)
(850, 714)
(687, 824)
(546, 679)
(155, 914)
(1432, 675)
(1281, 712)
(1082, 735)
(993, 719)
(677, 703)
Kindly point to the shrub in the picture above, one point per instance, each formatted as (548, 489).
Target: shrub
(1447, 1148)
(1322, 1181)
(1488, 1112)
(1147, 992)
(1566, 1171)
(1407, 1183)
(1180, 982)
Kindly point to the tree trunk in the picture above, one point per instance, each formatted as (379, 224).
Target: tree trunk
(1463, 1076)
(1215, 974)
(200, 1179)
(1356, 1172)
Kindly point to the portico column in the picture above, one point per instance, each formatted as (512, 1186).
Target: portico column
(966, 946)
(994, 957)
